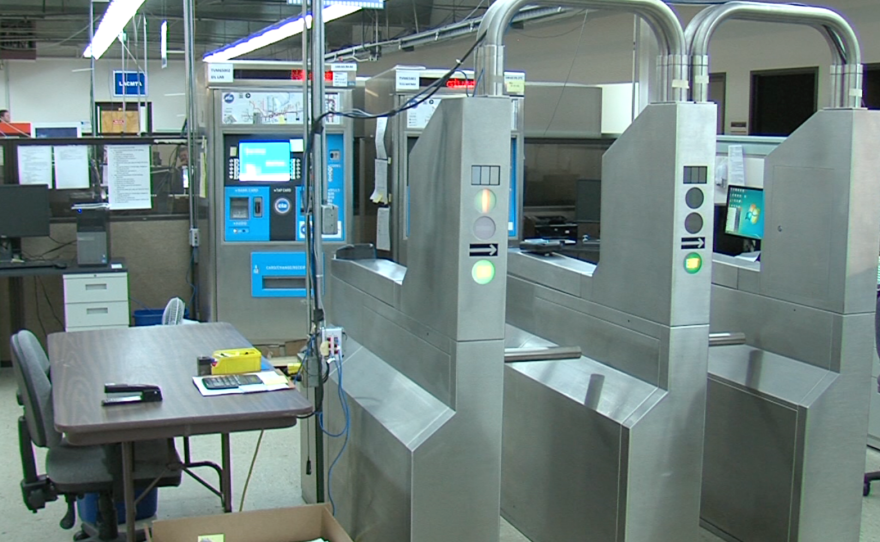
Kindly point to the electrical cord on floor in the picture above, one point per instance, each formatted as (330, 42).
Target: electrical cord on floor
(250, 471)
(346, 431)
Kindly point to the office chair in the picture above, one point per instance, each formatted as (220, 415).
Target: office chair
(73, 471)
(874, 476)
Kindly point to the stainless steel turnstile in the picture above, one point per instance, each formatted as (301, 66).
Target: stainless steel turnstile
(608, 447)
(787, 412)
(425, 350)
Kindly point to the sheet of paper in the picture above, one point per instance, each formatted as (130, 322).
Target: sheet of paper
(128, 168)
(383, 229)
(380, 189)
(419, 116)
(736, 166)
(35, 165)
(381, 127)
(71, 167)
(270, 382)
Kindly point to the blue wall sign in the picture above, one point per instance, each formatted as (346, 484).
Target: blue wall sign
(129, 83)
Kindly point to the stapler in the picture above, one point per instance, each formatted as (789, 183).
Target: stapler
(136, 393)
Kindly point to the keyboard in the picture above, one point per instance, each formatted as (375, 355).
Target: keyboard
(228, 382)
(32, 265)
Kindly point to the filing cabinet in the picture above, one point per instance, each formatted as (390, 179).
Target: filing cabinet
(95, 301)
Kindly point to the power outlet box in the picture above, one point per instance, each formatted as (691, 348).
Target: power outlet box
(331, 341)
(194, 237)
(330, 219)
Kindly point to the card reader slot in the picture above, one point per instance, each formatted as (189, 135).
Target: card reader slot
(239, 208)
(284, 283)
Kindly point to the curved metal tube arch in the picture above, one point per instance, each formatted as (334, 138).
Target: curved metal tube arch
(846, 69)
(659, 16)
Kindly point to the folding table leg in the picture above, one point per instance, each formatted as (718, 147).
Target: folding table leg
(226, 476)
(128, 489)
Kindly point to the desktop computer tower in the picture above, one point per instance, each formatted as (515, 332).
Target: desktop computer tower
(93, 237)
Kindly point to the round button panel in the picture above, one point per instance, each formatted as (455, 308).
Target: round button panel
(694, 198)
(693, 223)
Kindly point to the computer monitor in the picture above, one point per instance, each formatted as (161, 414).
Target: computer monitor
(745, 212)
(24, 211)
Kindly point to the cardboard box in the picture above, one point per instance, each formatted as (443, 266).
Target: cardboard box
(299, 524)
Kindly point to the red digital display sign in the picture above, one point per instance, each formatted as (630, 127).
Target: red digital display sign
(299, 75)
(460, 83)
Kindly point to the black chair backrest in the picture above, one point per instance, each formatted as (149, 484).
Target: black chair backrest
(31, 365)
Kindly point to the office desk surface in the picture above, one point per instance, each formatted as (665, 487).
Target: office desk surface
(82, 362)
(71, 269)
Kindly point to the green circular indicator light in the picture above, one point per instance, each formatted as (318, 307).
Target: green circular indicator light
(485, 201)
(693, 262)
(483, 272)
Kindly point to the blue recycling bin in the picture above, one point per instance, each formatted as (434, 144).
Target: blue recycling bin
(87, 507)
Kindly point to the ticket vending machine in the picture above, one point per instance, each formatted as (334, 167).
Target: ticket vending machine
(253, 254)
(395, 141)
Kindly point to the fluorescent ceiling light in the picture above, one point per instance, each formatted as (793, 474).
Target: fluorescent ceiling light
(115, 18)
(275, 33)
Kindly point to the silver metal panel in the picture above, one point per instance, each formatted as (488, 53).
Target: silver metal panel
(391, 417)
(836, 186)
(787, 413)
(723, 275)
(644, 238)
(609, 447)
(441, 208)
(750, 461)
(764, 374)
(552, 270)
(514, 337)
(427, 384)
(787, 329)
(380, 277)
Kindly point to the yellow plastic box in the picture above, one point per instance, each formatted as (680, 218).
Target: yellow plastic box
(236, 361)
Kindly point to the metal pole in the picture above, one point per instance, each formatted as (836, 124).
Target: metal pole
(307, 125)
(145, 128)
(94, 113)
(190, 77)
(124, 105)
(319, 156)
(319, 168)
(191, 122)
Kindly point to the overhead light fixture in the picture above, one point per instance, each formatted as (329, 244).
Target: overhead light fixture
(118, 13)
(277, 32)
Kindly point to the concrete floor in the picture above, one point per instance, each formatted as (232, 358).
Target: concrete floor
(275, 482)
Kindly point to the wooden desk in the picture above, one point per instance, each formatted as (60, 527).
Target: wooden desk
(82, 362)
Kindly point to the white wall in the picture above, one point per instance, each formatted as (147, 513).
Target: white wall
(603, 53)
(49, 90)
